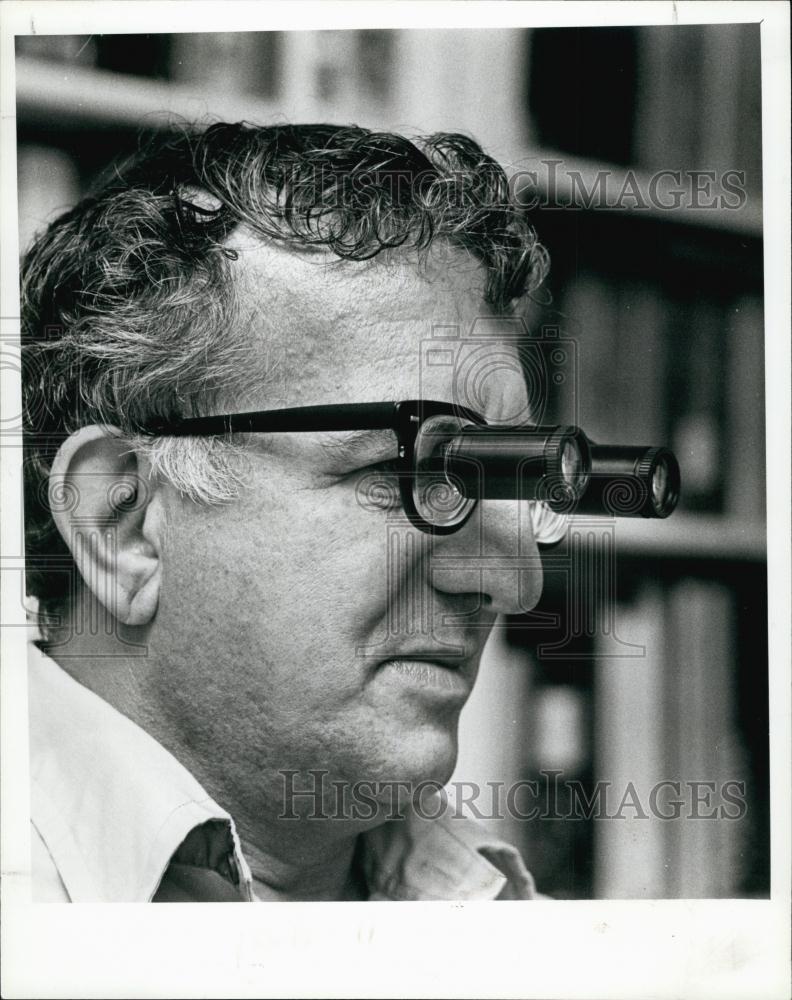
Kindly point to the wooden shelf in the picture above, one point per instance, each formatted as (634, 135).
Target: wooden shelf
(687, 536)
(76, 96)
(72, 96)
(575, 179)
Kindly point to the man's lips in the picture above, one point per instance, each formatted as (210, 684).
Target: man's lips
(444, 656)
(431, 670)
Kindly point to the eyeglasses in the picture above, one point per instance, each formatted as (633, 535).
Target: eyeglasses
(448, 457)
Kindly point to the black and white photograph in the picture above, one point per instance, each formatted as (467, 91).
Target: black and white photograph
(396, 423)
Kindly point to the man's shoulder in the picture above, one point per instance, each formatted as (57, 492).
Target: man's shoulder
(109, 805)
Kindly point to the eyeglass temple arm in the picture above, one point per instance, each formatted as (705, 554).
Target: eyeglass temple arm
(331, 417)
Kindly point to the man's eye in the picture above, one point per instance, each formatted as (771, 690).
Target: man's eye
(377, 486)
(389, 467)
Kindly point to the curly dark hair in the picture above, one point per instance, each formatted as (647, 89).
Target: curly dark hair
(128, 302)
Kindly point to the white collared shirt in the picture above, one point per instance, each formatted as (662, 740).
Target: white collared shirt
(116, 818)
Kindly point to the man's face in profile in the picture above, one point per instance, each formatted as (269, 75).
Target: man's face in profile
(301, 627)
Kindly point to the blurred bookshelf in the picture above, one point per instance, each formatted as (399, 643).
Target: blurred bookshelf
(655, 668)
(664, 309)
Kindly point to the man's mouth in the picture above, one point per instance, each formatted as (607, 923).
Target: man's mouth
(452, 676)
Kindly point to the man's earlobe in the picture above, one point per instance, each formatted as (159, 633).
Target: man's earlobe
(99, 496)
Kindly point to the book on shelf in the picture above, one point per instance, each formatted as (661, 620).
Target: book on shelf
(698, 102)
(730, 133)
(629, 741)
(462, 80)
(237, 62)
(378, 78)
(591, 113)
(667, 722)
(652, 370)
(745, 485)
(641, 361)
(376, 62)
(749, 113)
(720, 128)
(557, 769)
(136, 55)
(623, 358)
(685, 372)
(558, 731)
(332, 72)
(704, 747)
(668, 108)
(696, 386)
(731, 130)
(589, 313)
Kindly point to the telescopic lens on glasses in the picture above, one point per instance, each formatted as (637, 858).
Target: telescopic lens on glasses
(561, 467)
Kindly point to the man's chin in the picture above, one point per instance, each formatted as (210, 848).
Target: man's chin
(419, 771)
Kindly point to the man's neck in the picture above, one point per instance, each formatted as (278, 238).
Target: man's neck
(297, 860)
(336, 876)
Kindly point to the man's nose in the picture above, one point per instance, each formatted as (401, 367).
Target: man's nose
(494, 555)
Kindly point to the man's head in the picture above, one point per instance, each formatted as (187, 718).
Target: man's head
(286, 620)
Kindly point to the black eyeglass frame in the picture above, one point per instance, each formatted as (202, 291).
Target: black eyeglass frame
(404, 418)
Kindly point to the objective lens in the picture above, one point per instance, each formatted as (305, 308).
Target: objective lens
(660, 483)
(570, 462)
(631, 481)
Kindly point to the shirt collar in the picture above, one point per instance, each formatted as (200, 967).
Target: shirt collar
(448, 857)
(115, 809)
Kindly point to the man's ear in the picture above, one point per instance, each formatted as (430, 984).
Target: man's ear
(99, 496)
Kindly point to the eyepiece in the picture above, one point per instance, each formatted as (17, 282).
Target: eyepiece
(520, 463)
(631, 482)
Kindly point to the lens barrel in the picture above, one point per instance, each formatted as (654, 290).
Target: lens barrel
(517, 463)
(631, 481)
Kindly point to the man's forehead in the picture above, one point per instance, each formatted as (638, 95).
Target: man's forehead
(342, 331)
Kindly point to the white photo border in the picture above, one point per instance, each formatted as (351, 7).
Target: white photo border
(724, 948)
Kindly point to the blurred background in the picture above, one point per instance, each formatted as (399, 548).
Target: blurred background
(646, 660)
